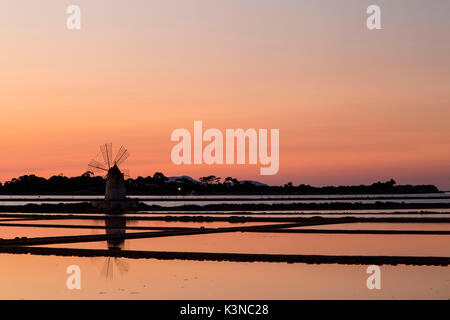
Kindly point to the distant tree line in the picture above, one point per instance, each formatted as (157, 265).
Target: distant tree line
(159, 184)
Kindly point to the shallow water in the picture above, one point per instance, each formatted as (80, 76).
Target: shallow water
(44, 277)
(383, 226)
(39, 277)
(225, 215)
(282, 243)
(169, 201)
(360, 211)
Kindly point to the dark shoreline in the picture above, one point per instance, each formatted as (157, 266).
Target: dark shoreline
(206, 199)
(86, 207)
(232, 219)
(233, 257)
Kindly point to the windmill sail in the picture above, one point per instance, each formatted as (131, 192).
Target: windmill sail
(106, 150)
(121, 156)
(96, 166)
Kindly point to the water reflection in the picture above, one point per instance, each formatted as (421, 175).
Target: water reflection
(115, 227)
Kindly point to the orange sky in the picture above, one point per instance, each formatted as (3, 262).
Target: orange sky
(352, 105)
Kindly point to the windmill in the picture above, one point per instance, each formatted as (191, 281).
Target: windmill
(115, 183)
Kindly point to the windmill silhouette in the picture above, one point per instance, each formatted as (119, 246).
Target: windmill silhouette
(115, 183)
(111, 168)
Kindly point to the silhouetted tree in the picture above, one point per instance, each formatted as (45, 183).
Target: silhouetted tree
(210, 180)
(87, 183)
(159, 178)
(230, 180)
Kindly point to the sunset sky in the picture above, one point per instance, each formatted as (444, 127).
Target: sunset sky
(353, 106)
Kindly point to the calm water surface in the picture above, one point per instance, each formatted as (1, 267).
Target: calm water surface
(25, 276)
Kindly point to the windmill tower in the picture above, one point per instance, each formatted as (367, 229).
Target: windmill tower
(115, 194)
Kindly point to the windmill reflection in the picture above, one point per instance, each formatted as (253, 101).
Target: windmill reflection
(115, 227)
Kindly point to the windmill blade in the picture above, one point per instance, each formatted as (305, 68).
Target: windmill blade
(121, 156)
(97, 166)
(106, 150)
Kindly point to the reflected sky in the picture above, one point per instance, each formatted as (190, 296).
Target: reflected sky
(43, 277)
